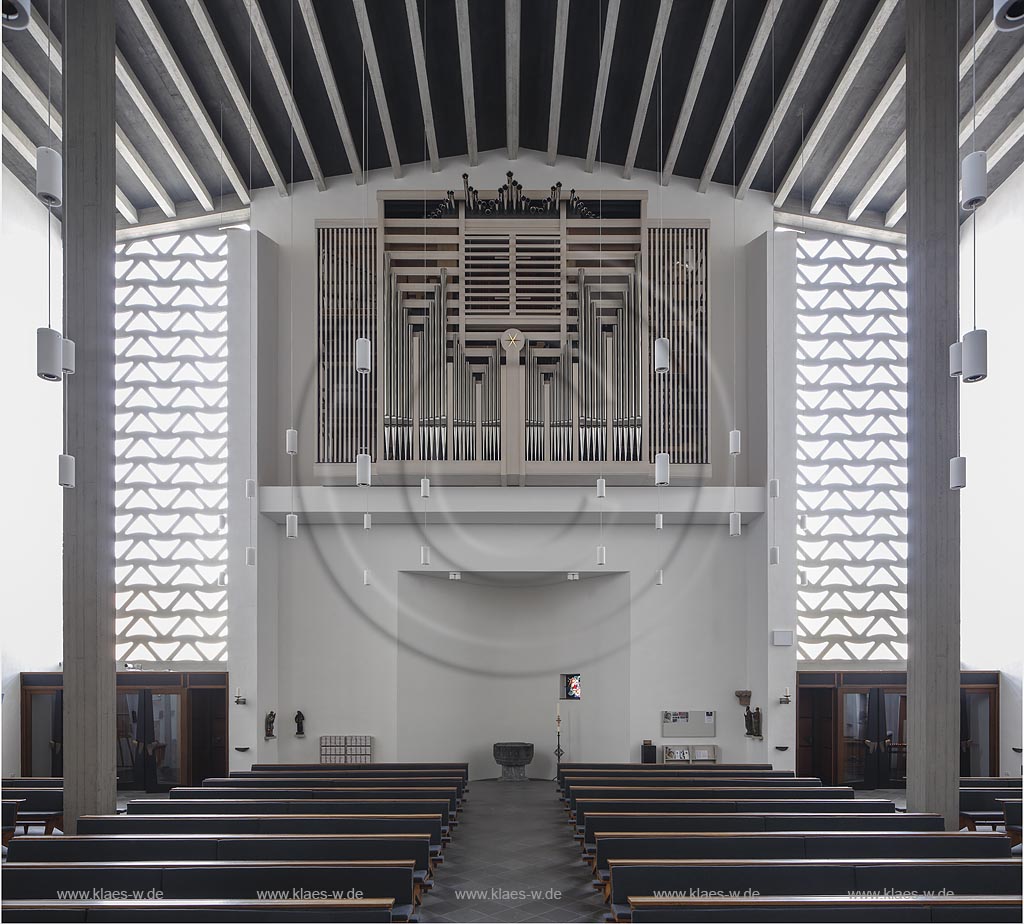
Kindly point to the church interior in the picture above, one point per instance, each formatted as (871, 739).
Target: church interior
(512, 460)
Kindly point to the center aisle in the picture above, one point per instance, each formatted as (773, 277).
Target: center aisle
(513, 859)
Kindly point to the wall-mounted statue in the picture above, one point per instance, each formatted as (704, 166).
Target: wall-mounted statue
(752, 721)
(268, 725)
(300, 725)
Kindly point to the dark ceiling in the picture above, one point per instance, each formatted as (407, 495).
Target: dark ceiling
(587, 23)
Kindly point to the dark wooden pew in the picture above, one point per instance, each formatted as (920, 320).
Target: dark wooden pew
(39, 805)
(248, 782)
(33, 782)
(636, 845)
(646, 768)
(461, 768)
(112, 848)
(10, 818)
(609, 823)
(705, 792)
(357, 910)
(653, 780)
(808, 877)
(980, 806)
(325, 794)
(723, 806)
(990, 782)
(1012, 818)
(817, 908)
(392, 879)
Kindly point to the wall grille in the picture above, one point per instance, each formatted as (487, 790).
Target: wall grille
(171, 426)
(851, 449)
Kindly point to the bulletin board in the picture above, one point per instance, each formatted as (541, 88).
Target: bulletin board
(688, 723)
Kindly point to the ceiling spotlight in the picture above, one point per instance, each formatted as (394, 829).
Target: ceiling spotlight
(1007, 15)
(363, 361)
(16, 13)
(661, 355)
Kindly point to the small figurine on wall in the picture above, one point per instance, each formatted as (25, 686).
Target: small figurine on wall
(268, 725)
(752, 721)
(300, 725)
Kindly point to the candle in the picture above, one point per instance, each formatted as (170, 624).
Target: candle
(558, 710)
(238, 692)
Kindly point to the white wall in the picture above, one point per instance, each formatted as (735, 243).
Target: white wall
(345, 652)
(992, 615)
(32, 636)
(487, 653)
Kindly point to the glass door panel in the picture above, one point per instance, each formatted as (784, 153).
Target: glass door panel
(46, 734)
(975, 733)
(893, 770)
(853, 749)
(164, 742)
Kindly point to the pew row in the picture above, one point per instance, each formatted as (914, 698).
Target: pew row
(42, 805)
(732, 793)
(340, 782)
(357, 910)
(838, 908)
(241, 792)
(654, 768)
(980, 805)
(808, 877)
(249, 879)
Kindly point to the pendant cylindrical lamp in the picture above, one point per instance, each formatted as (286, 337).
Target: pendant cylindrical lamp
(735, 442)
(49, 181)
(735, 526)
(974, 180)
(66, 470)
(363, 470)
(366, 578)
(975, 355)
(801, 577)
(291, 526)
(661, 469)
(773, 555)
(659, 521)
(774, 487)
(602, 487)
(602, 555)
(956, 359)
(957, 473)
(1008, 15)
(661, 355)
(424, 487)
(424, 554)
(222, 579)
(661, 577)
(250, 488)
(250, 555)
(367, 521)
(291, 441)
(49, 347)
(363, 360)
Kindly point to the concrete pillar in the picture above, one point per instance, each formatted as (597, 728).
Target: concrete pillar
(933, 663)
(89, 668)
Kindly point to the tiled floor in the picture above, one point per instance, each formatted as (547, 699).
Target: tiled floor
(513, 858)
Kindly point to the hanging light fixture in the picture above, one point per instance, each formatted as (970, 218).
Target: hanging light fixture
(67, 356)
(801, 577)
(659, 521)
(774, 488)
(66, 470)
(735, 442)
(1008, 15)
(49, 185)
(801, 521)
(250, 488)
(363, 470)
(291, 441)
(424, 487)
(367, 521)
(17, 14)
(773, 555)
(366, 578)
(363, 360)
(661, 469)
(602, 487)
(661, 577)
(222, 579)
(49, 361)
(975, 355)
(735, 527)
(291, 526)
(602, 555)
(661, 355)
(424, 554)
(250, 555)
(974, 180)
(956, 359)
(958, 473)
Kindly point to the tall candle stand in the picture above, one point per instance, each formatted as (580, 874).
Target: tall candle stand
(559, 753)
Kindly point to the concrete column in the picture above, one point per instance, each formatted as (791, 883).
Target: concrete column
(933, 663)
(89, 668)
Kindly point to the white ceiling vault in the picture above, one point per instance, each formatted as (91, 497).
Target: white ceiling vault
(801, 98)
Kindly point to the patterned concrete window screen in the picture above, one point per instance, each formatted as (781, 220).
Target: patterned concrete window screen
(171, 317)
(851, 449)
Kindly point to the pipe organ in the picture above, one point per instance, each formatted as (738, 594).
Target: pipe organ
(513, 337)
